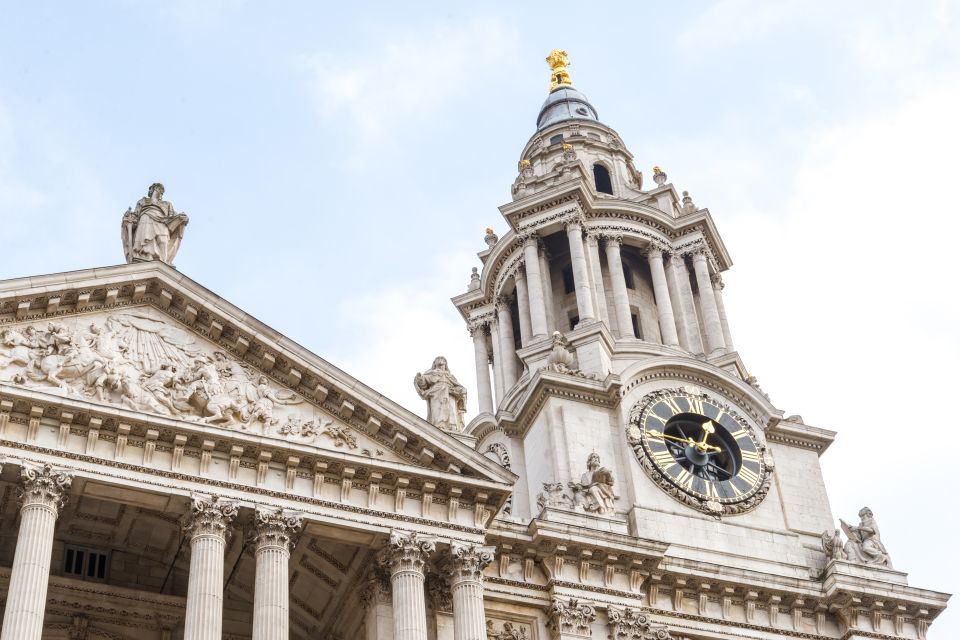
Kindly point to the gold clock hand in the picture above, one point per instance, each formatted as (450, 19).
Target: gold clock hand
(659, 434)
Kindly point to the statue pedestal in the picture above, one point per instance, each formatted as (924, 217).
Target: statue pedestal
(612, 523)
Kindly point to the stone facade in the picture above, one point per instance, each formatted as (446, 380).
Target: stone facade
(171, 468)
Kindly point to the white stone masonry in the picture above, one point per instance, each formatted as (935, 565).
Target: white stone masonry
(621, 302)
(406, 555)
(466, 565)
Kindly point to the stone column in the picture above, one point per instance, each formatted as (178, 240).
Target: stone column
(508, 353)
(207, 529)
(537, 302)
(478, 332)
(496, 360)
(675, 300)
(621, 303)
(717, 292)
(547, 289)
(661, 293)
(405, 556)
(465, 565)
(686, 302)
(273, 537)
(43, 492)
(708, 304)
(375, 597)
(523, 306)
(599, 295)
(581, 277)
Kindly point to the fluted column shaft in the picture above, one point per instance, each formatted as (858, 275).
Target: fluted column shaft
(406, 555)
(547, 290)
(523, 307)
(207, 529)
(686, 302)
(718, 293)
(535, 287)
(44, 492)
(581, 277)
(466, 590)
(599, 295)
(496, 360)
(675, 300)
(274, 539)
(708, 305)
(484, 392)
(508, 353)
(661, 294)
(621, 302)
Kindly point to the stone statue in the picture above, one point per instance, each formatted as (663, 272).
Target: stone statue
(832, 543)
(153, 229)
(595, 490)
(863, 541)
(446, 398)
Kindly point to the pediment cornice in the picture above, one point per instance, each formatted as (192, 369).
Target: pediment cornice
(253, 344)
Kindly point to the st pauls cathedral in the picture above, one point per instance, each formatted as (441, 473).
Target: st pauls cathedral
(171, 468)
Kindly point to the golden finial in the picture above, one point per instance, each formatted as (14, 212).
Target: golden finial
(488, 230)
(567, 147)
(559, 76)
(657, 170)
(524, 163)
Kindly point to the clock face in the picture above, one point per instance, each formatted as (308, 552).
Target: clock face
(699, 450)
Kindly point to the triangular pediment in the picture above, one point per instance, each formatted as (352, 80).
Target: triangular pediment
(145, 338)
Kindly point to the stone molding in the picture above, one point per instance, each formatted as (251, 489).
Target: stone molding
(43, 486)
(210, 517)
(275, 528)
(407, 552)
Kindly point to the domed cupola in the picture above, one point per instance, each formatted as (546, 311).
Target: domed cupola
(564, 101)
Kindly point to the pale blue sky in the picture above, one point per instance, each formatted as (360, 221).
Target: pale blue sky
(340, 161)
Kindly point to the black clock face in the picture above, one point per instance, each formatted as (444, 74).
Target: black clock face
(699, 447)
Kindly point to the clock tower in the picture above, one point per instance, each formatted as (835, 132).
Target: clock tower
(655, 478)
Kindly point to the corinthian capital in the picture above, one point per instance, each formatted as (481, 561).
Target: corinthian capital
(630, 624)
(407, 551)
(43, 486)
(210, 517)
(276, 528)
(569, 616)
(467, 561)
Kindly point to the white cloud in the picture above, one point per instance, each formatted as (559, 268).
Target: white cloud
(408, 78)
(733, 22)
(403, 327)
(845, 305)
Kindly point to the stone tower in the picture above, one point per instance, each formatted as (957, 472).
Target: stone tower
(609, 383)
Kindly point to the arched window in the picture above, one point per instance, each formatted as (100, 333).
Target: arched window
(601, 177)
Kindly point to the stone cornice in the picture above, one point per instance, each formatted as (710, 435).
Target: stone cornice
(245, 338)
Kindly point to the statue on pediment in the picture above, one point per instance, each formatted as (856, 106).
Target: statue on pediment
(153, 229)
(446, 398)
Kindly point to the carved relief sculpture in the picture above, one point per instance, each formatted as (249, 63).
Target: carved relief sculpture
(508, 631)
(135, 360)
(446, 398)
(630, 624)
(153, 229)
(594, 492)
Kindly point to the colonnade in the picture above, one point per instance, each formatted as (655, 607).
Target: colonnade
(208, 529)
(697, 324)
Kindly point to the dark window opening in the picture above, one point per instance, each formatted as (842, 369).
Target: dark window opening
(574, 320)
(628, 277)
(601, 177)
(91, 565)
(636, 326)
(568, 283)
(557, 139)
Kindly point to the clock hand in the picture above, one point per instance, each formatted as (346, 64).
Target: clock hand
(659, 434)
(707, 431)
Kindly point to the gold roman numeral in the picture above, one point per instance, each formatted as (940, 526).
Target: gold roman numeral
(736, 491)
(749, 476)
(739, 433)
(684, 479)
(696, 405)
(673, 406)
(653, 415)
(711, 490)
(750, 456)
(663, 459)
